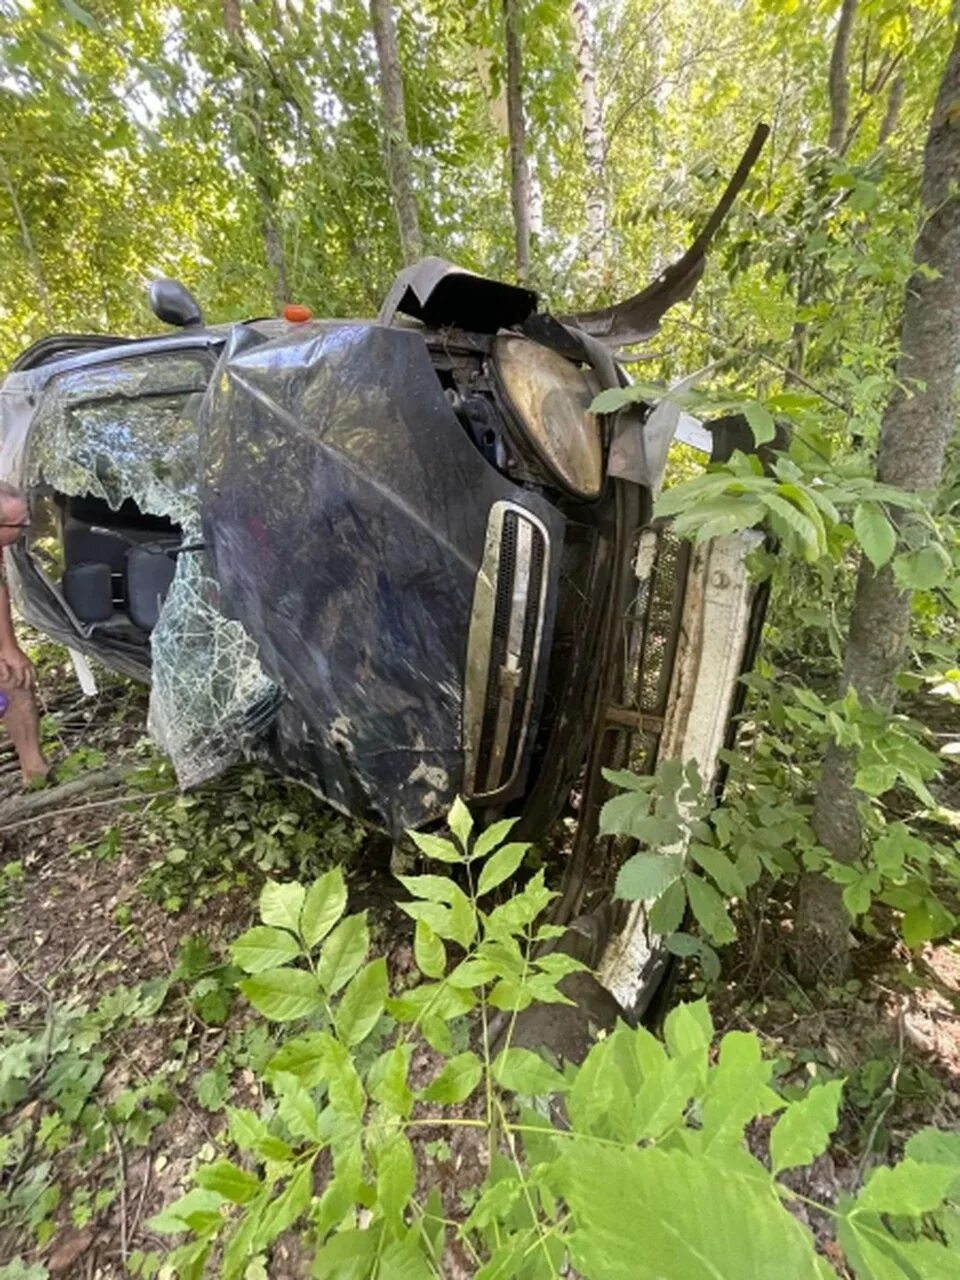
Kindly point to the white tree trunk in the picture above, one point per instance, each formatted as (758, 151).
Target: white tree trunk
(594, 143)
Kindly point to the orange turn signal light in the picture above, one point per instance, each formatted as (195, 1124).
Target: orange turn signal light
(296, 313)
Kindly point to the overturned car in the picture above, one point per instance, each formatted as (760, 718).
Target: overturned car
(400, 559)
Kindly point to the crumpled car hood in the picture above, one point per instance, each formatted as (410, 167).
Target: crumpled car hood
(344, 511)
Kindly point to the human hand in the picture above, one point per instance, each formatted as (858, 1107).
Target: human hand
(16, 670)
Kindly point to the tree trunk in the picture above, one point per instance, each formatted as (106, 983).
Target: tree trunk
(261, 160)
(399, 153)
(917, 427)
(892, 114)
(839, 93)
(519, 170)
(273, 245)
(594, 146)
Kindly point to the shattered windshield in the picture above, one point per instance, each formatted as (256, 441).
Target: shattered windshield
(127, 432)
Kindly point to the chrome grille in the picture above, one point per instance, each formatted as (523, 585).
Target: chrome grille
(503, 651)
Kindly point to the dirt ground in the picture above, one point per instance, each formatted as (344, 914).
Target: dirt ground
(122, 1040)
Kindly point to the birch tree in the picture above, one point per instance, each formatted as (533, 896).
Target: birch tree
(594, 145)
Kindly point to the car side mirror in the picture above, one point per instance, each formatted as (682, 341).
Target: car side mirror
(173, 303)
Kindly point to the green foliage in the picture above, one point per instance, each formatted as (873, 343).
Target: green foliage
(696, 859)
(232, 833)
(640, 1153)
(73, 1098)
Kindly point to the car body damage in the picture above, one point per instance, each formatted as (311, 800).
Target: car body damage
(402, 560)
(697, 629)
(346, 515)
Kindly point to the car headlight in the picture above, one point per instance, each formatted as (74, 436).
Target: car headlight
(550, 400)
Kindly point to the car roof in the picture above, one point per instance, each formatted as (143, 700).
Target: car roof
(60, 353)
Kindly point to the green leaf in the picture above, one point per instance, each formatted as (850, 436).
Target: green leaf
(474, 972)
(434, 914)
(786, 519)
(429, 951)
(803, 1131)
(612, 399)
(324, 904)
(666, 914)
(396, 1178)
(720, 867)
(280, 904)
(688, 1029)
(620, 815)
(935, 1146)
(234, 1184)
(463, 919)
(738, 1090)
(761, 422)
(682, 944)
(263, 948)
(284, 1209)
(193, 1211)
(523, 1071)
(405, 1260)
(708, 907)
(387, 1080)
(349, 1255)
(435, 847)
(362, 1003)
(343, 953)
(875, 533)
(654, 1214)
(431, 888)
(283, 994)
(338, 1204)
(305, 1057)
(493, 836)
(250, 1133)
(511, 917)
(295, 1106)
(458, 1079)
(876, 1254)
(500, 867)
(918, 925)
(911, 1188)
(344, 1087)
(460, 822)
(648, 875)
(923, 569)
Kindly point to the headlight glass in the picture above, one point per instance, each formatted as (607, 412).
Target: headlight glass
(550, 399)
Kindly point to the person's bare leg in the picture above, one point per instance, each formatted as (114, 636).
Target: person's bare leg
(23, 724)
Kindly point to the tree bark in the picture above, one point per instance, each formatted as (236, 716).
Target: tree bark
(594, 145)
(839, 92)
(516, 126)
(891, 115)
(399, 153)
(273, 245)
(917, 427)
(266, 192)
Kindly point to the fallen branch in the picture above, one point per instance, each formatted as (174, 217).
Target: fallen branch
(120, 798)
(34, 804)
